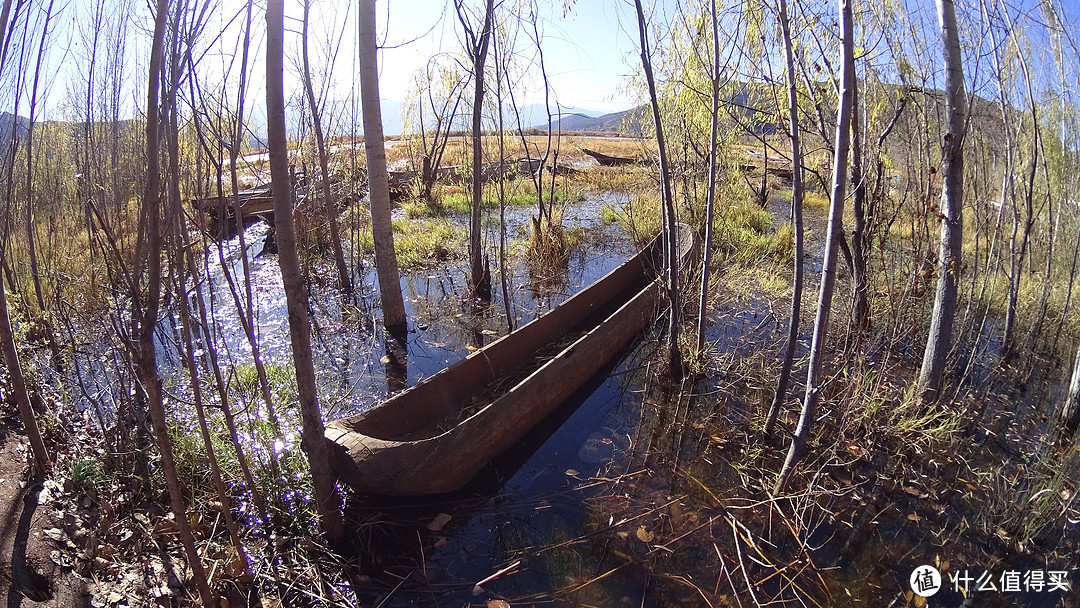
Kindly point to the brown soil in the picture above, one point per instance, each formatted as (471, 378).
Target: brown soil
(31, 576)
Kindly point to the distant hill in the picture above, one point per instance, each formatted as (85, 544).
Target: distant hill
(10, 123)
(638, 120)
(627, 121)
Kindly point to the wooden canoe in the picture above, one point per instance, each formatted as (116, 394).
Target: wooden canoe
(614, 161)
(436, 436)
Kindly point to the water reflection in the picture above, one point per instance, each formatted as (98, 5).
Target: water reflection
(396, 364)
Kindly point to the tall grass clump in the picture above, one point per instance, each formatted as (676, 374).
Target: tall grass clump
(550, 243)
(745, 233)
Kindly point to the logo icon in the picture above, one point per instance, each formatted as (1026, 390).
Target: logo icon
(925, 581)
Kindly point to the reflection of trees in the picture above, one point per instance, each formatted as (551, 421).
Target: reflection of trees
(396, 364)
(548, 287)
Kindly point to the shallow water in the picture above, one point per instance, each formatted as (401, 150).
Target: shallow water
(553, 504)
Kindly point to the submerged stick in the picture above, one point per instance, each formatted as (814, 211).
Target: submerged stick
(477, 589)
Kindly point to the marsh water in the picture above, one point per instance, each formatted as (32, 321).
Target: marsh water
(635, 493)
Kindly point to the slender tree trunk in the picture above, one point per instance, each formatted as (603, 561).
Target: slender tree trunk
(16, 379)
(324, 165)
(382, 230)
(672, 355)
(710, 194)
(828, 271)
(327, 500)
(5, 15)
(146, 306)
(860, 307)
(504, 279)
(17, 384)
(234, 152)
(187, 321)
(480, 275)
(223, 396)
(796, 219)
(1071, 411)
(245, 307)
(939, 340)
(35, 271)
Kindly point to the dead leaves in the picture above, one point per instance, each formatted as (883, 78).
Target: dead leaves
(439, 522)
(914, 600)
(644, 535)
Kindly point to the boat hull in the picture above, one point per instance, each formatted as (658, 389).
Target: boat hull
(394, 449)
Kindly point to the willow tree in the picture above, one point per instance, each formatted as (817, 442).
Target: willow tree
(710, 193)
(434, 101)
(382, 230)
(939, 339)
(672, 355)
(796, 218)
(329, 208)
(832, 238)
(476, 45)
(327, 499)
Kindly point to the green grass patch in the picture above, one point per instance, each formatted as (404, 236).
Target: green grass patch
(814, 200)
(745, 233)
(421, 243)
(639, 217)
(460, 203)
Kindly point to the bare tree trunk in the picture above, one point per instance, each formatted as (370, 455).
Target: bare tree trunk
(939, 340)
(202, 322)
(835, 231)
(382, 231)
(710, 194)
(234, 151)
(5, 15)
(245, 307)
(17, 384)
(146, 306)
(226, 410)
(1071, 412)
(35, 271)
(328, 201)
(16, 379)
(327, 500)
(504, 279)
(672, 355)
(796, 219)
(1017, 256)
(187, 321)
(860, 307)
(480, 274)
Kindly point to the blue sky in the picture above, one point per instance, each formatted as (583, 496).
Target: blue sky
(588, 50)
(584, 50)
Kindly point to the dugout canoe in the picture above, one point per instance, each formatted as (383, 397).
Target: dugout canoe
(614, 161)
(437, 435)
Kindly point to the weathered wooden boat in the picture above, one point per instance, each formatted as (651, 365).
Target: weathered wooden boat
(435, 436)
(613, 161)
